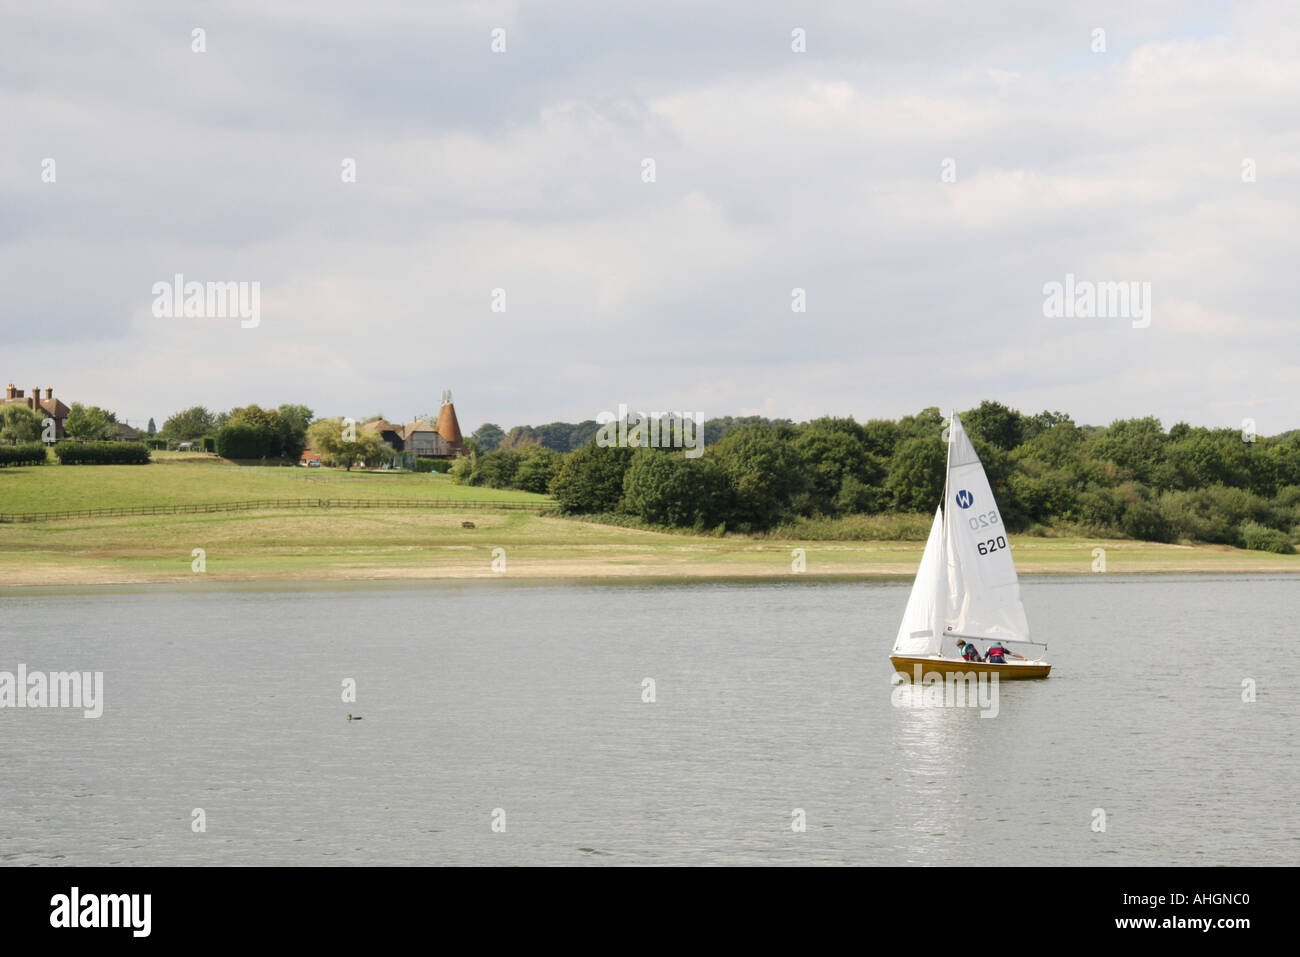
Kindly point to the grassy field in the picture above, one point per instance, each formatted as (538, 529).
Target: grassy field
(315, 544)
(181, 480)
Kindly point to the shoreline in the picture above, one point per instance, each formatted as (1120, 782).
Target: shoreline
(825, 562)
(481, 544)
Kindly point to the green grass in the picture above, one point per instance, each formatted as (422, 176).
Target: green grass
(187, 481)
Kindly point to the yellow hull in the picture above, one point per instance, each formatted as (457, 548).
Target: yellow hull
(1010, 671)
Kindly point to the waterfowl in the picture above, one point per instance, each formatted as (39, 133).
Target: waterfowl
(351, 718)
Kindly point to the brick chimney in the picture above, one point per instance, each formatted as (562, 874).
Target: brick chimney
(36, 399)
(11, 392)
(49, 393)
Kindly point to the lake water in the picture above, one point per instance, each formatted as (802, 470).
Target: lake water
(528, 698)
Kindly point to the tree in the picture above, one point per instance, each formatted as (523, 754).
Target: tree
(330, 441)
(764, 471)
(996, 424)
(189, 425)
(286, 434)
(464, 471)
(591, 479)
(497, 469)
(152, 429)
(1135, 445)
(832, 451)
(537, 466)
(298, 417)
(519, 437)
(666, 488)
(928, 423)
(489, 436)
(88, 423)
(19, 424)
(915, 480)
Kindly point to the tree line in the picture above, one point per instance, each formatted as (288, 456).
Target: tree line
(246, 432)
(1132, 478)
(569, 436)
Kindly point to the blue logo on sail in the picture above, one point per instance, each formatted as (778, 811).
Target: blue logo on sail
(965, 499)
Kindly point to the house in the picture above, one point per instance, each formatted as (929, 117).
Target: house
(47, 408)
(392, 434)
(125, 432)
(421, 438)
(440, 441)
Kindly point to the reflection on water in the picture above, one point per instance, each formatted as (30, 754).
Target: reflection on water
(528, 697)
(928, 752)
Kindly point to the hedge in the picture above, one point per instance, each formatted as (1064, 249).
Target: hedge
(239, 440)
(102, 453)
(433, 465)
(29, 453)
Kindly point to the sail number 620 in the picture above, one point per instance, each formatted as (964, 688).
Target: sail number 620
(983, 520)
(992, 545)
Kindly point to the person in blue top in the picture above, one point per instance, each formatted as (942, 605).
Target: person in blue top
(968, 650)
(998, 654)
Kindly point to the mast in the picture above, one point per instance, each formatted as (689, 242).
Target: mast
(947, 472)
(941, 602)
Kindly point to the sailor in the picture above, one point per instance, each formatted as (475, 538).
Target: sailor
(998, 654)
(968, 650)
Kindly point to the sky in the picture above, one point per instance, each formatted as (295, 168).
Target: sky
(921, 171)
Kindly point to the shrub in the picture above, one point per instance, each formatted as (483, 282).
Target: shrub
(885, 527)
(240, 440)
(1216, 514)
(102, 453)
(1143, 521)
(28, 453)
(442, 466)
(1261, 538)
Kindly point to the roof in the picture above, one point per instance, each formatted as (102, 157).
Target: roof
(419, 425)
(448, 427)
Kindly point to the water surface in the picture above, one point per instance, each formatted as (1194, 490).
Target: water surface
(527, 697)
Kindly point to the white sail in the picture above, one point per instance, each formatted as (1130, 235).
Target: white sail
(983, 592)
(921, 631)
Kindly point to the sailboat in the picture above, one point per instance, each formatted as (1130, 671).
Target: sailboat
(966, 587)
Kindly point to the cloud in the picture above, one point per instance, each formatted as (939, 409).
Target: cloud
(774, 170)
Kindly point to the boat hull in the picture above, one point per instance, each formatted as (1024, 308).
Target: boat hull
(1010, 671)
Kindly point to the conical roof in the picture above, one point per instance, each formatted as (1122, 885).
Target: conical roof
(447, 425)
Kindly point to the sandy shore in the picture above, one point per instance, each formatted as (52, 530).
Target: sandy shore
(384, 546)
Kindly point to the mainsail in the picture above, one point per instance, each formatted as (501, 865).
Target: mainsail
(922, 629)
(983, 592)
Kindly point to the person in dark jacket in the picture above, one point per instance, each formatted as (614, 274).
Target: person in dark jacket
(968, 650)
(998, 654)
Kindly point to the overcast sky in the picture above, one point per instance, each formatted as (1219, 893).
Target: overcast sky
(522, 170)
